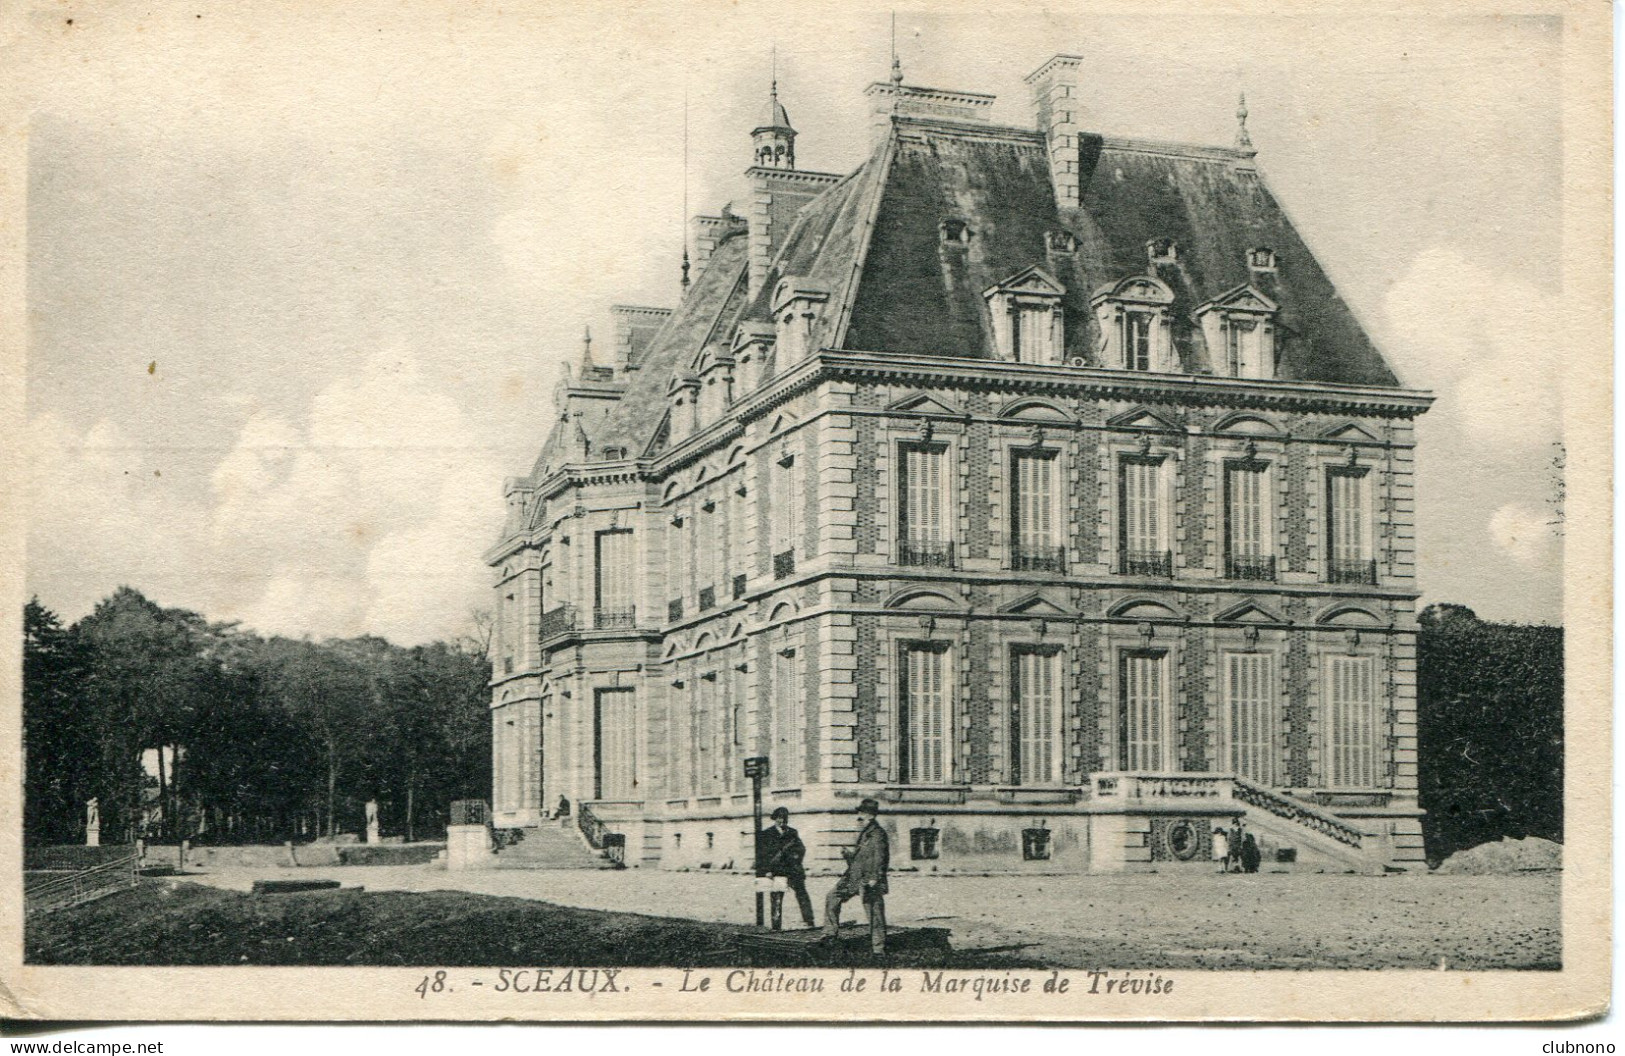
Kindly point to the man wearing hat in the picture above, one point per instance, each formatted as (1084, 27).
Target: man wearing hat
(866, 865)
(779, 853)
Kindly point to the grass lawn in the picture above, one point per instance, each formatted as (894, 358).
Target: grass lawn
(166, 922)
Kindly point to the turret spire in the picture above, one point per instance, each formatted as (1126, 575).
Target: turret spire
(774, 139)
(896, 63)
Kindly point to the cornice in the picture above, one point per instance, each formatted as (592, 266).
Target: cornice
(1102, 383)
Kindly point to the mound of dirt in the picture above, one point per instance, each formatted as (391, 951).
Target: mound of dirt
(1505, 856)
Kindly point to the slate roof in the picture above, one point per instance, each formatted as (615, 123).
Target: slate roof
(873, 240)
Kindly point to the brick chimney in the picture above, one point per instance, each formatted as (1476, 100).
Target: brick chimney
(1055, 108)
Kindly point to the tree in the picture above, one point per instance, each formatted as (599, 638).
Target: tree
(1489, 730)
(326, 692)
(62, 757)
(145, 671)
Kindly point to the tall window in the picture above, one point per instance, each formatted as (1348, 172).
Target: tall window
(792, 721)
(614, 746)
(1250, 715)
(1348, 527)
(1351, 721)
(1032, 333)
(1035, 528)
(1144, 527)
(1142, 721)
(1035, 717)
(925, 701)
(703, 732)
(924, 510)
(1137, 339)
(1247, 522)
(1234, 357)
(615, 586)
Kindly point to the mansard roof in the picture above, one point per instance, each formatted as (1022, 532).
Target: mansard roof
(913, 296)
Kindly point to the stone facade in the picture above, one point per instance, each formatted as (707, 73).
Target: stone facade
(734, 566)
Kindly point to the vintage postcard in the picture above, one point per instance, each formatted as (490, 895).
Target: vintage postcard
(603, 511)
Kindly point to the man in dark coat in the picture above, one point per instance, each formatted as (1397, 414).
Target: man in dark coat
(779, 853)
(866, 866)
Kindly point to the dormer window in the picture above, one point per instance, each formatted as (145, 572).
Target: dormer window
(1239, 327)
(752, 346)
(954, 231)
(1162, 251)
(1135, 325)
(797, 304)
(1261, 259)
(1025, 311)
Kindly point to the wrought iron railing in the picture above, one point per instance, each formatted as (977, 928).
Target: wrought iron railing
(925, 554)
(708, 599)
(1358, 570)
(613, 844)
(81, 885)
(784, 564)
(1249, 567)
(1034, 558)
(1300, 813)
(604, 618)
(1148, 563)
(740, 582)
(674, 610)
(558, 621)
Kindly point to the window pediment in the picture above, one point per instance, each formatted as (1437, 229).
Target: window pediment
(1143, 419)
(1248, 612)
(1241, 299)
(1143, 609)
(924, 601)
(924, 403)
(1247, 424)
(1035, 281)
(1037, 604)
(1139, 289)
(1349, 431)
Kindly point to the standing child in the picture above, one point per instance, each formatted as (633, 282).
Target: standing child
(1221, 848)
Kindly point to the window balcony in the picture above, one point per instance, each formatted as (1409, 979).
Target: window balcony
(1359, 570)
(1148, 563)
(921, 554)
(1034, 558)
(784, 564)
(708, 598)
(1249, 566)
(739, 585)
(607, 617)
(557, 621)
(674, 610)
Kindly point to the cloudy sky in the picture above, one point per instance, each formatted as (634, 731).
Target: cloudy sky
(299, 286)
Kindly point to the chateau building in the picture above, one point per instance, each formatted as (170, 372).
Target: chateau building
(1034, 482)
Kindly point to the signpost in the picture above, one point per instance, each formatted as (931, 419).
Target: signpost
(756, 769)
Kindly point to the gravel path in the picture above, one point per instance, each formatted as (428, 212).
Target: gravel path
(1185, 920)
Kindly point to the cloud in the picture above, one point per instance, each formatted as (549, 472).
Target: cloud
(370, 517)
(1523, 532)
(1491, 345)
(97, 501)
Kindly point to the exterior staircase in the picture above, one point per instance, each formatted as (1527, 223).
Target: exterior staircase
(552, 845)
(1318, 838)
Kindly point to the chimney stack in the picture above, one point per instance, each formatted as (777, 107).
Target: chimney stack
(1055, 107)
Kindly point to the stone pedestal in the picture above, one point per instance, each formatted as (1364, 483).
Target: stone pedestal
(372, 821)
(469, 847)
(93, 836)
